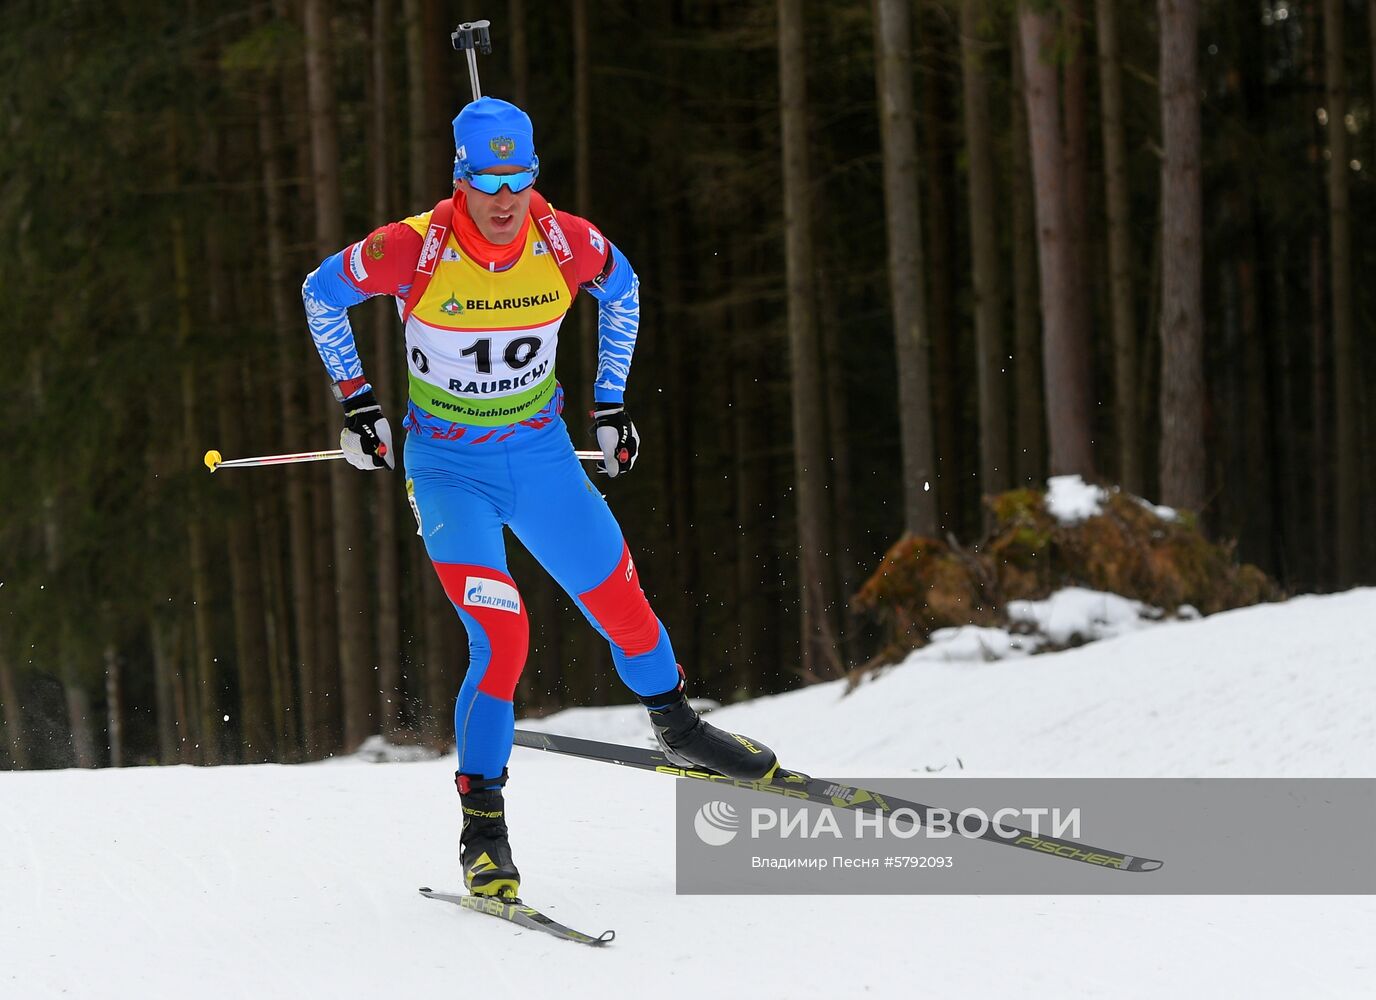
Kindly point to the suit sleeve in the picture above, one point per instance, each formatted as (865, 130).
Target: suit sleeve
(606, 275)
(382, 263)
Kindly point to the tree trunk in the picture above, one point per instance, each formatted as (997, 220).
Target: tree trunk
(1347, 537)
(308, 425)
(1118, 210)
(1371, 22)
(820, 656)
(845, 568)
(902, 207)
(290, 347)
(277, 616)
(204, 673)
(385, 338)
(424, 105)
(356, 660)
(324, 708)
(77, 698)
(1077, 186)
(78, 711)
(252, 721)
(686, 433)
(832, 311)
(1257, 435)
(417, 127)
(15, 739)
(114, 705)
(166, 682)
(750, 425)
(254, 724)
(1030, 417)
(1367, 402)
(520, 52)
(1321, 449)
(688, 377)
(1259, 519)
(582, 181)
(1182, 298)
(162, 456)
(991, 363)
(946, 386)
(446, 91)
(1065, 362)
(257, 740)
(1320, 467)
(1287, 488)
(754, 332)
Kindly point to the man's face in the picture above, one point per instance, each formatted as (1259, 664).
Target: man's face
(499, 216)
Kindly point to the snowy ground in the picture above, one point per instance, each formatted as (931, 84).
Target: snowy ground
(277, 881)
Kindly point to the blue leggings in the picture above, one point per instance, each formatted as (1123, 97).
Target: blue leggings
(464, 492)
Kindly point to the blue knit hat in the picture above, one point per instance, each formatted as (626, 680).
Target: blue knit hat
(491, 132)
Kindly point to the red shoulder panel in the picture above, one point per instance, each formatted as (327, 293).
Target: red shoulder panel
(384, 261)
(590, 248)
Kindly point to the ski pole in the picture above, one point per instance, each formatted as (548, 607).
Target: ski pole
(214, 460)
(470, 38)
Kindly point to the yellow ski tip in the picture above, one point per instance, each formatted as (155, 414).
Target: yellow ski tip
(212, 459)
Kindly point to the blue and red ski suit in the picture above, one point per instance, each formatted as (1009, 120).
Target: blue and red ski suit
(486, 447)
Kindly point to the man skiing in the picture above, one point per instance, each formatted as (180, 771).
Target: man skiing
(483, 282)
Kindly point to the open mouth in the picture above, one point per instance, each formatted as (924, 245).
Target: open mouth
(502, 221)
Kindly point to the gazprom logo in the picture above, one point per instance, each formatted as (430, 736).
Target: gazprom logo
(481, 593)
(716, 823)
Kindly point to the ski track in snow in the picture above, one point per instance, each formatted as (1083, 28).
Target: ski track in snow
(270, 881)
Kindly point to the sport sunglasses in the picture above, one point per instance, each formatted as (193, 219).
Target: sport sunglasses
(492, 183)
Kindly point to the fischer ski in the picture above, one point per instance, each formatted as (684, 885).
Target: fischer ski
(519, 913)
(795, 785)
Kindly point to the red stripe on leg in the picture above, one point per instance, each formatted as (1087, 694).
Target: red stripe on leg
(493, 601)
(619, 606)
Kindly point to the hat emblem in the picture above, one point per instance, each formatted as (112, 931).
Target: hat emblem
(503, 146)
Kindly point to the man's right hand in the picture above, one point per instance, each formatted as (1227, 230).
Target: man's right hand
(366, 439)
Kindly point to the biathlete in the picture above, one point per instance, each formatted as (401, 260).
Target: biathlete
(483, 282)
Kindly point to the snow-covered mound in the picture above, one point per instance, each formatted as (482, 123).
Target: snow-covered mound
(1071, 616)
(272, 881)
(1276, 690)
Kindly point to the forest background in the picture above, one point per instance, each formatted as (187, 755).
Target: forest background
(894, 257)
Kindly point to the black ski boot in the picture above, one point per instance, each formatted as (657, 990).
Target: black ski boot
(690, 742)
(483, 849)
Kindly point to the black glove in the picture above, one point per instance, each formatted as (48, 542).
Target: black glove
(367, 436)
(616, 436)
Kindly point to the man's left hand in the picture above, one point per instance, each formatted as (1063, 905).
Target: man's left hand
(616, 436)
